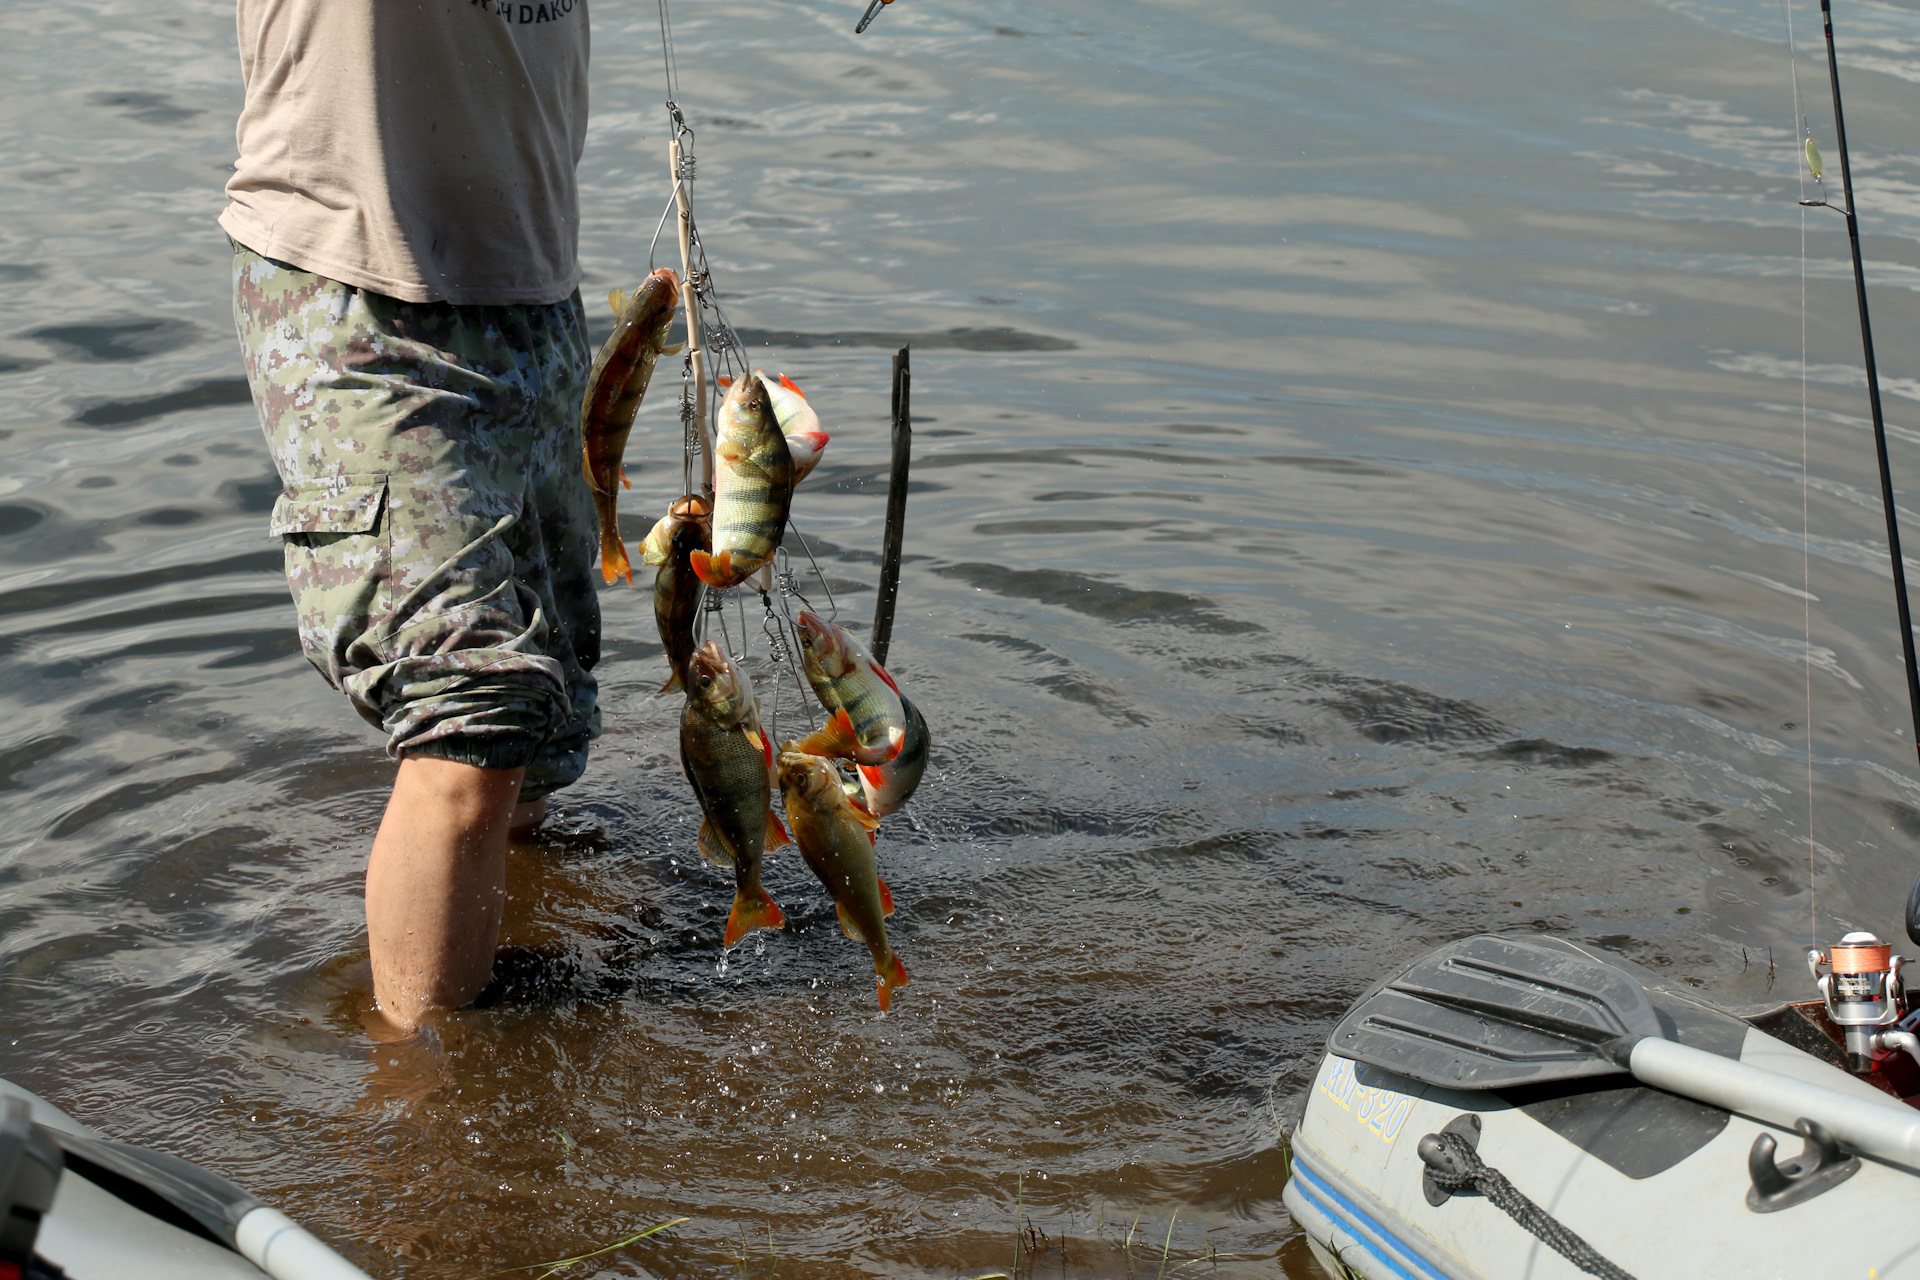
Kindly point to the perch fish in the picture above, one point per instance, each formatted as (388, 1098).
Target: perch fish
(728, 760)
(615, 387)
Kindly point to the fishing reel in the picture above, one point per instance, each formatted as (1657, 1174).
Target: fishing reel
(1866, 998)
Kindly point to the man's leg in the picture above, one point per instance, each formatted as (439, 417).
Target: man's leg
(527, 817)
(406, 436)
(436, 883)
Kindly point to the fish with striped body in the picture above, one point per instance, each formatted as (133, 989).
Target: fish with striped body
(835, 837)
(885, 787)
(676, 589)
(891, 783)
(798, 422)
(728, 760)
(866, 722)
(752, 487)
(615, 387)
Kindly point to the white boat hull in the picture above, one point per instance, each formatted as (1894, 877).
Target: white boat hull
(1655, 1183)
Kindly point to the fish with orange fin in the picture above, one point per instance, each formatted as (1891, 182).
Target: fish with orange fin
(728, 759)
(615, 387)
(676, 590)
(866, 722)
(798, 422)
(891, 783)
(835, 836)
(886, 787)
(752, 488)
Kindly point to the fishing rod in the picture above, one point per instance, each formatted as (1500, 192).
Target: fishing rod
(1873, 403)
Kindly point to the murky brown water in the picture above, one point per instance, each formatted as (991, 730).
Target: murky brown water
(1364, 508)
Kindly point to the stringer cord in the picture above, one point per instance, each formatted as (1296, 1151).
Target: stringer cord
(689, 423)
(784, 635)
(1802, 133)
(833, 606)
(740, 611)
(716, 604)
(653, 245)
(777, 655)
(726, 352)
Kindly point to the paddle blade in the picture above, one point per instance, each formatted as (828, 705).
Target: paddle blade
(1493, 1013)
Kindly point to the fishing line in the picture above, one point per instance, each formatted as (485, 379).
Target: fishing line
(1897, 560)
(789, 589)
(667, 59)
(724, 340)
(1803, 129)
(1910, 660)
(1806, 586)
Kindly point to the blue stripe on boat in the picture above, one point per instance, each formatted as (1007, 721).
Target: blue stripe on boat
(1337, 1206)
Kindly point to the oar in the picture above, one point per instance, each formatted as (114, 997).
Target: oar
(1493, 1013)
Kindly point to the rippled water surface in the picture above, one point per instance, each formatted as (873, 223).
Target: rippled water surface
(1358, 501)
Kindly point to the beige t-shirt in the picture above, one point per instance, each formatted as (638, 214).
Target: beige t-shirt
(424, 149)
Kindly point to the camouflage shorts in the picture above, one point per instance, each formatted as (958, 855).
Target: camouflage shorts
(440, 535)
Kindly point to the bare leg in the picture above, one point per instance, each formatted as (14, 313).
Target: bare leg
(436, 884)
(527, 817)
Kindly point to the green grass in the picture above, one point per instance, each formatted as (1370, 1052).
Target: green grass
(1031, 1242)
(743, 1259)
(547, 1269)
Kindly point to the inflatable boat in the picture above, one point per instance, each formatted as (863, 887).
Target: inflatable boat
(81, 1207)
(1523, 1107)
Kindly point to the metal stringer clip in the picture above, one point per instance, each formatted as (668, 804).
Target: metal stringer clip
(872, 9)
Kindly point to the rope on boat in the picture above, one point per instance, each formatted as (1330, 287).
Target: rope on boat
(1453, 1164)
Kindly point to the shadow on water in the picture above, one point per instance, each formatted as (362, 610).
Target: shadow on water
(979, 340)
(130, 411)
(145, 106)
(18, 518)
(944, 340)
(1099, 598)
(114, 341)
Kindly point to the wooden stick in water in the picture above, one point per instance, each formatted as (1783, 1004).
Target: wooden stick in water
(684, 207)
(896, 508)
